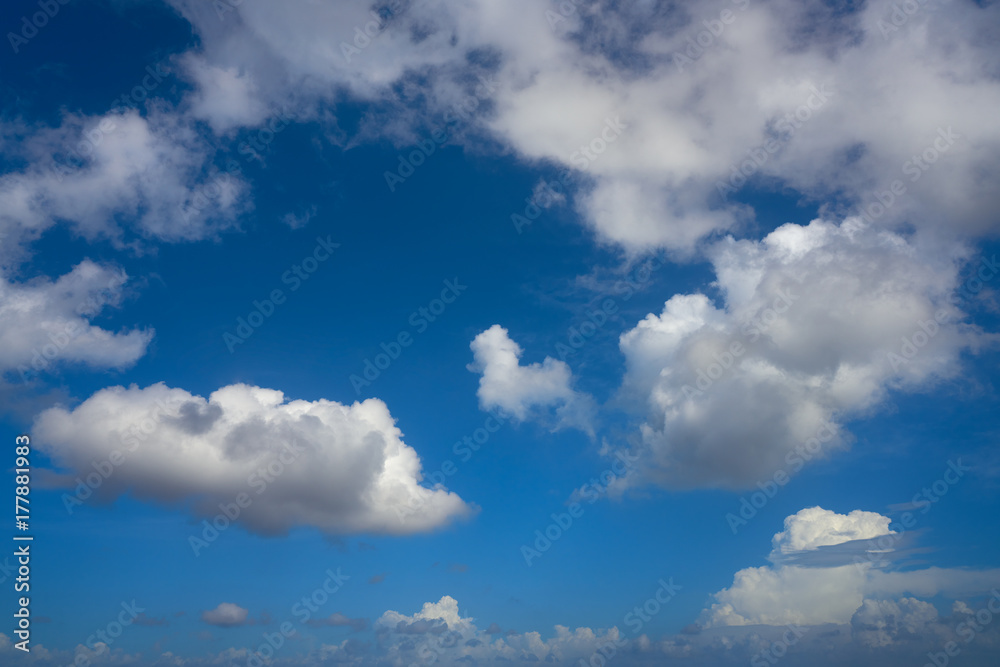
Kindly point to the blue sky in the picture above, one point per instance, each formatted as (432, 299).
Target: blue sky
(570, 272)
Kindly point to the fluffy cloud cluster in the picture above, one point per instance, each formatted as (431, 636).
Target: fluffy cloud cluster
(153, 171)
(438, 633)
(338, 468)
(886, 622)
(836, 116)
(775, 595)
(787, 92)
(517, 389)
(833, 568)
(45, 324)
(814, 324)
(226, 98)
(881, 632)
(126, 176)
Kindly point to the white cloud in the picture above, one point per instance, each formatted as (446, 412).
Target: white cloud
(816, 527)
(226, 615)
(780, 593)
(801, 97)
(298, 220)
(881, 632)
(439, 633)
(444, 610)
(508, 385)
(867, 102)
(932, 581)
(817, 324)
(338, 468)
(884, 622)
(94, 172)
(224, 96)
(123, 177)
(44, 324)
(788, 594)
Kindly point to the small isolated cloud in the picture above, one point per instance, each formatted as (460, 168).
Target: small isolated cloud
(517, 389)
(299, 220)
(143, 619)
(226, 615)
(338, 620)
(545, 196)
(342, 469)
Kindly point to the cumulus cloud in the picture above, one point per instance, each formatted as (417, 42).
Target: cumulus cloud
(842, 106)
(885, 622)
(814, 325)
(517, 389)
(338, 468)
(852, 591)
(226, 615)
(126, 176)
(438, 630)
(225, 97)
(788, 594)
(46, 323)
(816, 527)
(835, 118)
(933, 581)
(881, 632)
(154, 171)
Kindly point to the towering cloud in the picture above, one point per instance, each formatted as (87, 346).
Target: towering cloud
(833, 563)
